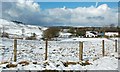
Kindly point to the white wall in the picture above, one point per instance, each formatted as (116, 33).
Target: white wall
(111, 33)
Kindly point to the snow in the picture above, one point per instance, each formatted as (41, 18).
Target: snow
(59, 52)
(105, 63)
(87, 39)
(16, 29)
(65, 50)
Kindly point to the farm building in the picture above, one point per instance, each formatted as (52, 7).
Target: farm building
(91, 33)
(111, 34)
(65, 35)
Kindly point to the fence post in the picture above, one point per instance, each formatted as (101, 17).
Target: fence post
(103, 48)
(80, 51)
(115, 45)
(46, 48)
(15, 50)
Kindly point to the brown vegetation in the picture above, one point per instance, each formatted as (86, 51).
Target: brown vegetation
(51, 33)
(4, 62)
(24, 63)
(11, 65)
(74, 63)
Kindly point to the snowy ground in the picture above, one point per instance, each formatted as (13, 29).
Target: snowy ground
(59, 52)
(18, 29)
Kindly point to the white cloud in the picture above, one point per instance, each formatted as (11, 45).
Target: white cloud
(30, 12)
(20, 10)
(28, 5)
(86, 16)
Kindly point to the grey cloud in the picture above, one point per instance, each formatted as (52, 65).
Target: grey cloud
(81, 16)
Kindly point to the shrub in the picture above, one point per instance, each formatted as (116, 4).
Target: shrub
(51, 33)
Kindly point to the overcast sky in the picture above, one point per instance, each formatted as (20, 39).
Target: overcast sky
(61, 13)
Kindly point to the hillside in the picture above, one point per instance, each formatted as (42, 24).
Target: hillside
(14, 28)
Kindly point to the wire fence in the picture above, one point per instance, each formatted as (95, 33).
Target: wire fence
(32, 50)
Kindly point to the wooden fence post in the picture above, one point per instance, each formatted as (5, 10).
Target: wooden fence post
(103, 48)
(115, 45)
(46, 48)
(80, 51)
(15, 50)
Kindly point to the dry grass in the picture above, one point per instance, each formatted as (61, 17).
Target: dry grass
(85, 63)
(74, 63)
(24, 63)
(69, 63)
(4, 62)
(11, 65)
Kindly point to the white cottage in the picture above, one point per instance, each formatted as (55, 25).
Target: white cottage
(113, 34)
(91, 34)
(64, 35)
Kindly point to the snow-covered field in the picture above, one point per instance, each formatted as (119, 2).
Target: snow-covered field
(60, 52)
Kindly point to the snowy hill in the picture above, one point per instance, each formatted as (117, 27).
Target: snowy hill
(14, 28)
